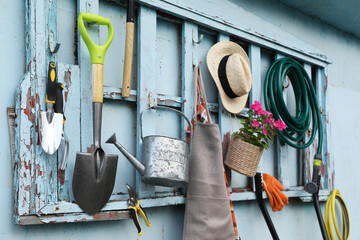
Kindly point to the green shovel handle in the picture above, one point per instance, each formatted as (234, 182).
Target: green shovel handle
(97, 53)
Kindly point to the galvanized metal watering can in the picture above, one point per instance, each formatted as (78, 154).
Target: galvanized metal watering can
(165, 159)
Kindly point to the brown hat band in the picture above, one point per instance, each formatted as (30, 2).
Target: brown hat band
(223, 78)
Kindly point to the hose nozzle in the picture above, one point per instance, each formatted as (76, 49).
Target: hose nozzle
(313, 186)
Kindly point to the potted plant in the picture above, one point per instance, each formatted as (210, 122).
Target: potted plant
(248, 144)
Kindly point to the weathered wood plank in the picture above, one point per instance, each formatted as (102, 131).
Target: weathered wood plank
(229, 19)
(327, 166)
(257, 87)
(74, 217)
(310, 151)
(146, 79)
(23, 170)
(224, 116)
(45, 165)
(86, 130)
(328, 157)
(188, 84)
(283, 162)
(114, 93)
(65, 207)
(69, 75)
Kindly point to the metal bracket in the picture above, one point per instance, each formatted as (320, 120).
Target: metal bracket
(194, 36)
(51, 43)
(152, 101)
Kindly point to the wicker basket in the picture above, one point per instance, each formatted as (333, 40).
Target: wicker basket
(243, 157)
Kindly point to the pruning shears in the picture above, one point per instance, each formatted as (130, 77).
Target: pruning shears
(135, 208)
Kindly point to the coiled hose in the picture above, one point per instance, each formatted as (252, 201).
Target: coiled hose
(305, 99)
(307, 111)
(330, 215)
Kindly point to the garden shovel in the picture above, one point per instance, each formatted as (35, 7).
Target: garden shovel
(94, 173)
(50, 123)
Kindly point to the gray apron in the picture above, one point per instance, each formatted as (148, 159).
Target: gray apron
(207, 211)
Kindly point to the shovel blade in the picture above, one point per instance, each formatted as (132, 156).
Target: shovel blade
(50, 132)
(91, 194)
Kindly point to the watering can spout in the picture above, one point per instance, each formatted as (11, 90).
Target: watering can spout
(136, 163)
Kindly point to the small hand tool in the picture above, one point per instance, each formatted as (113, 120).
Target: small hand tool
(135, 208)
(63, 151)
(50, 123)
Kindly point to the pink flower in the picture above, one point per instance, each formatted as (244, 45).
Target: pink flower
(280, 125)
(260, 112)
(269, 120)
(264, 130)
(256, 106)
(263, 112)
(266, 113)
(255, 123)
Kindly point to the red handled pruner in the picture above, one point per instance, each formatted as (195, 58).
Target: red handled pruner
(135, 208)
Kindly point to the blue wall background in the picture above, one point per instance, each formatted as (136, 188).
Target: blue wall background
(296, 221)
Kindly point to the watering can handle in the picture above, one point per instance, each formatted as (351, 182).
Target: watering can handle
(165, 108)
(97, 53)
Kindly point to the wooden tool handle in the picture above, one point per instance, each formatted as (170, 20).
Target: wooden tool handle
(97, 82)
(129, 42)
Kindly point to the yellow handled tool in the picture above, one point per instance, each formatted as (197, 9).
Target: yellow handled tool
(135, 208)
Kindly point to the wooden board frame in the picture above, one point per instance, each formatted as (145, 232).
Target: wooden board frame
(41, 195)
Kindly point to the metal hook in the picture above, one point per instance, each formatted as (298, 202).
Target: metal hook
(286, 80)
(200, 39)
(51, 43)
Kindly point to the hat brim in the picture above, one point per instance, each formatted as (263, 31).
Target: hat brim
(214, 56)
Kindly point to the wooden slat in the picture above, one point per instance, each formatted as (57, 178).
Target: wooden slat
(40, 159)
(69, 75)
(231, 21)
(326, 168)
(146, 79)
(45, 165)
(86, 130)
(256, 89)
(65, 207)
(224, 116)
(23, 173)
(24, 194)
(329, 160)
(74, 217)
(114, 93)
(188, 55)
(310, 151)
(283, 162)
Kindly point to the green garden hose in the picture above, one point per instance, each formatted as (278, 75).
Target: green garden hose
(307, 112)
(305, 99)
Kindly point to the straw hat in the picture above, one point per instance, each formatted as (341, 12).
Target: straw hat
(229, 66)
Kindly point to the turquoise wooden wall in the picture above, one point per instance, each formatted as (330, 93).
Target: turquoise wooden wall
(342, 87)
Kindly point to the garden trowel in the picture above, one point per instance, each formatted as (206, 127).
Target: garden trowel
(94, 173)
(50, 123)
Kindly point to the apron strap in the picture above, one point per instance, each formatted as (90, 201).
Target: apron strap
(200, 94)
